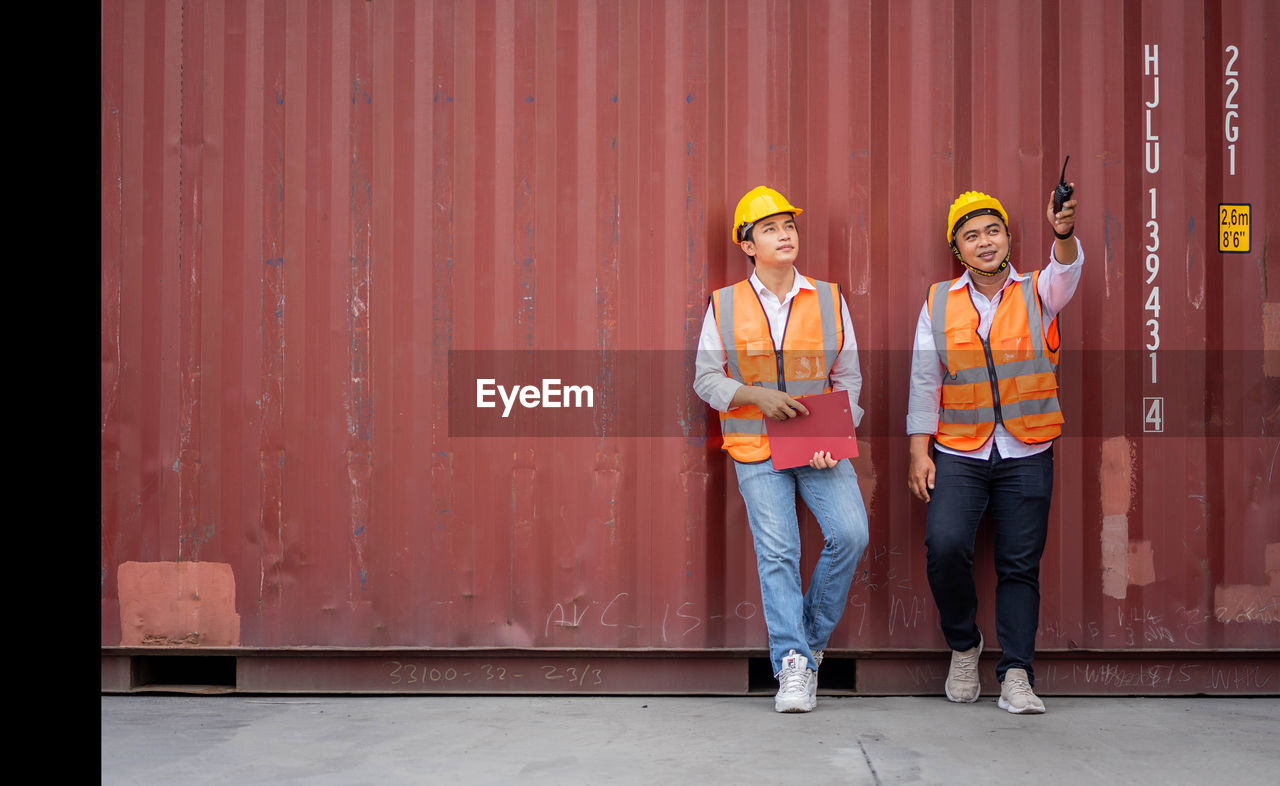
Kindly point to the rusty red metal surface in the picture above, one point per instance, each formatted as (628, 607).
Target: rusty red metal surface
(311, 209)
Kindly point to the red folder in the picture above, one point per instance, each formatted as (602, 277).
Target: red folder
(828, 427)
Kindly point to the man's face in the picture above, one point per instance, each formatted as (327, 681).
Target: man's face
(775, 242)
(983, 242)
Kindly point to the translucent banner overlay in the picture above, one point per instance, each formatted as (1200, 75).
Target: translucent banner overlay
(649, 393)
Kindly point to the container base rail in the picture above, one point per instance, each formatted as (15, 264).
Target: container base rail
(664, 672)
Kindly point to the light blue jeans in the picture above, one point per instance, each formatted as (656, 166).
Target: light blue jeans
(803, 621)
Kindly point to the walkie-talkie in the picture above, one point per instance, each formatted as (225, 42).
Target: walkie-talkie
(1063, 191)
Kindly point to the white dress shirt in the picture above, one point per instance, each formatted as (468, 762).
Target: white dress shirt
(1056, 284)
(713, 384)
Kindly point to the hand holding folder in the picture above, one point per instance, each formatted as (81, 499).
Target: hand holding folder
(828, 427)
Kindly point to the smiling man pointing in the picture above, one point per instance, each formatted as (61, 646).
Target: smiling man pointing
(984, 391)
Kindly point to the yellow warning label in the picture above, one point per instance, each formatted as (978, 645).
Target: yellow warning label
(1233, 228)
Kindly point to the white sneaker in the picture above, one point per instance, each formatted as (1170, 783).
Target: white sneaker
(813, 681)
(793, 685)
(962, 678)
(1016, 695)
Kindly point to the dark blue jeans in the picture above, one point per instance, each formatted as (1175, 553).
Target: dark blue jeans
(1018, 492)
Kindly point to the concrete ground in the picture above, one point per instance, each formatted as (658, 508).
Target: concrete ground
(673, 740)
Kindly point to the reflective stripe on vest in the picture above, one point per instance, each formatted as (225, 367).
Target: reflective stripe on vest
(1023, 393)
(811, 342)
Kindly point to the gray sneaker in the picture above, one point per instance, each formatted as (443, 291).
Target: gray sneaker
(1016, 695)
(793, 685)
(962, 678)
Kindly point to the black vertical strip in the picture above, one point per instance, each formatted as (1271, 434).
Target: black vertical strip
(1215, 458)
(777, 353)
(719, 476)
(798, 139)
(1055, 147)
(1132, 217)
(962, 91)
(986, 350)
(840, 312)
(1050, 100)
(880, 387)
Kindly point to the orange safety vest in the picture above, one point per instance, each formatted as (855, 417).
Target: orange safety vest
(811, 342)
(1011, 378)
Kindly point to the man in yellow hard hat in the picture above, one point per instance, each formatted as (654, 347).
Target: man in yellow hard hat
(766, 342)
(984, 393)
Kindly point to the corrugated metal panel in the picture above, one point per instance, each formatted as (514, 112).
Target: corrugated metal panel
(310, 209)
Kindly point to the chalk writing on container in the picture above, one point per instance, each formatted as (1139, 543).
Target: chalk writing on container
(1268, 612)
(571, 617)
(679, 619)
(468, 675)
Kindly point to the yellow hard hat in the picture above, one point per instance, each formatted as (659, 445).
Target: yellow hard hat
(969, 204)
(760, 202)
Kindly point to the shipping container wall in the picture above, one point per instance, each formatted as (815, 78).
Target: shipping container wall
(326, 224)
